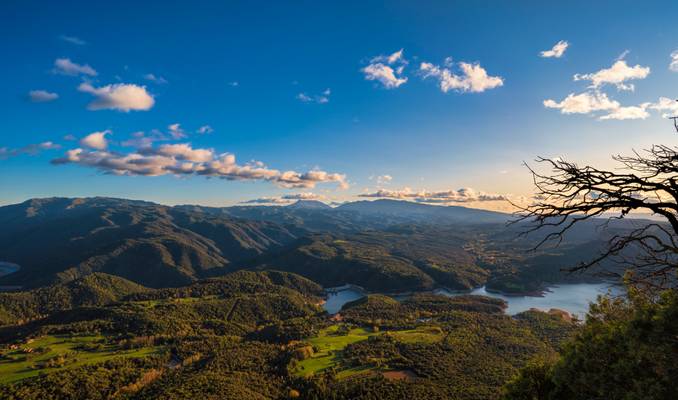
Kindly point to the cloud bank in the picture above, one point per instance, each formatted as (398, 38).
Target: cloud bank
(183, 159)
(463, 195)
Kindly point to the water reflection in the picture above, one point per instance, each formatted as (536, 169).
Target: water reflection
(573, 298)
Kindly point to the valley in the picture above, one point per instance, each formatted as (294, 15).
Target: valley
(270, 302)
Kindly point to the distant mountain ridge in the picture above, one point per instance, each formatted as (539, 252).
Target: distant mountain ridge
(58, 240)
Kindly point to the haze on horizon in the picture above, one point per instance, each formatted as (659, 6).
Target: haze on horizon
(222, 104)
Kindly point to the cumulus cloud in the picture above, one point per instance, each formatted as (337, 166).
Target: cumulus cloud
(65, 66)
(31, 149)
(472, 78)
(95, 140)
(205, 129)
(387, 70)
(668, 107)
(155, 79)
(121, 96)
(630, 112)
(463, 195)
(181, 151)
(673, 66)
(42, 96)
(618, 74)
(322, 98)
(182, 159)
(583, 103)
(556, 51)
(593, 102)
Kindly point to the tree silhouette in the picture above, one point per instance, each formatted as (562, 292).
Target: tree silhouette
(646, 181)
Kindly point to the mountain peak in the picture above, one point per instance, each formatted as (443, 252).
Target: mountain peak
(310, 204)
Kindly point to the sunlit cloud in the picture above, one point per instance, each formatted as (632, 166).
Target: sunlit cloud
(630, 112)
(463, 195)
(387, 70)
(205, 130)
(471, 78)
(95, 140)
(594, 102)
(583, 103)
(556, 51)
(120, 96)
(183, 159)
(618, 75)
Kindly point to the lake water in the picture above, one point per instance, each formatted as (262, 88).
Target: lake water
(573, 298)
(337, 299)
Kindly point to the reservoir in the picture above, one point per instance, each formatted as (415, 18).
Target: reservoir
(573, 298)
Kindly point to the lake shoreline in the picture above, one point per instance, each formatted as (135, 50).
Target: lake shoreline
(571, 297)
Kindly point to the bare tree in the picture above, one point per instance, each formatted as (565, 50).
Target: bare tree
(647, 181)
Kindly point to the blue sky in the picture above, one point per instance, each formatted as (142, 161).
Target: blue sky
(258, 75)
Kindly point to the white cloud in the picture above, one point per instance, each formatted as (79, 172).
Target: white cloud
(473, 77)
(121, 96)
(95, 140)
(594, 101)
(674, 61)
(669, 106)
(73, 40)
(616, 75)
(181, 151)
(556, 51)
(583, 103)
(42, 96)
(630, 112)
(65, 66)
(155, 79)
(234, 84)
(31, 149)
(205, 129)
(387, 69)
(463, 195)
(182, 159)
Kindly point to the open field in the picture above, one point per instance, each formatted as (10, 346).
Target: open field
(52, 353)
(330, 344)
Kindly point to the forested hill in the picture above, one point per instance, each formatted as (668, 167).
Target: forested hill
(380, 245)
(58, 239)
